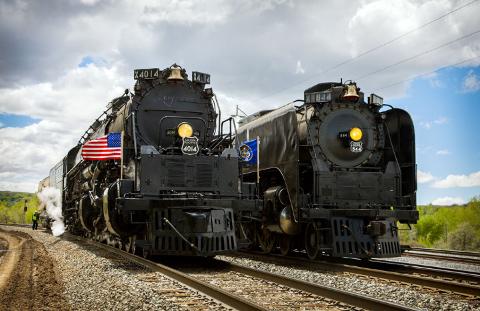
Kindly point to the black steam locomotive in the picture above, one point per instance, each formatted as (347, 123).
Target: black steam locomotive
(336, 174)
(173, 190)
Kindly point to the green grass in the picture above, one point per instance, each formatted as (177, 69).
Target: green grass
(12, 206)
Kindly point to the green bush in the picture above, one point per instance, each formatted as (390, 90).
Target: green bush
(455, 227)
(464, 238)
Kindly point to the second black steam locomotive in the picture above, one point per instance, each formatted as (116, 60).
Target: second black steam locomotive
(336, 174)
(174, 188)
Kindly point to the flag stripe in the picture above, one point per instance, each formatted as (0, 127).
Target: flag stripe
(107, 147)
(101, 159)
(102, 153)
(102, 150)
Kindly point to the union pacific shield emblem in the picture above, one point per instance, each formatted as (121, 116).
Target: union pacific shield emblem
(190, 145)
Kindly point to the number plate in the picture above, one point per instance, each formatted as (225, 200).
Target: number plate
(200, 77)
(152, 73)
(171, 132)
(356, 146)
(190, 145)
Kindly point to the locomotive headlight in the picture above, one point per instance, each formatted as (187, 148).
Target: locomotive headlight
(356, 134)
(184, 130)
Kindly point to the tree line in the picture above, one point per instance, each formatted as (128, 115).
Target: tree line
(448, 227)
(12, 207)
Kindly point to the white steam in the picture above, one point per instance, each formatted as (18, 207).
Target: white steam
(52, 200)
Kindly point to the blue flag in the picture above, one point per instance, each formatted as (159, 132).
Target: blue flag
(248, 151)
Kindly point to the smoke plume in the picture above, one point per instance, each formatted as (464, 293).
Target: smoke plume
(52, 200)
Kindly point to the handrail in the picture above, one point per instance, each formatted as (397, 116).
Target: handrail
(223, 137)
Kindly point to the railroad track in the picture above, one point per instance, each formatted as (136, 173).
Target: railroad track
(235, 301)
(312, 288)
(444, 251)
(211, 291)
(430, 271)
(439, 255)
(462, 283)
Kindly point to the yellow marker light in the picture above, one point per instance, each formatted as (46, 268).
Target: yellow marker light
(356, 134)
(184, 130)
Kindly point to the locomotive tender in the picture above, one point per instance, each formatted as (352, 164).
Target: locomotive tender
(336, 174)
(174, 189)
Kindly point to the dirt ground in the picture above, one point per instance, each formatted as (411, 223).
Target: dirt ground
(3, 247)
(27, 275)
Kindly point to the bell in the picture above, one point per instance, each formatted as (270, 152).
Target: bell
(175, 73)
(351, 93)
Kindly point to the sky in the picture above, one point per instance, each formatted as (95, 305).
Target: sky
(62, 61)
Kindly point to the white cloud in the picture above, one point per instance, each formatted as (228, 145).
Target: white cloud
(404, 16)
(439, 121)
(471, 83)
(434, 80)
(228, 105)
(299, 69)
(424, 149)
(66, 107)
(18, 185)
(443, 152)
(452, 181)
(449, 201)
(211, 12)
(424, 177)
(62, 99)
(187, 12)
(90, 2)
(426, 124)
(224, 36)
(249, 48)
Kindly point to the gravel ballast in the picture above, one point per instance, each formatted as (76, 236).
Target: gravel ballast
(93, 280)
(96, 280)
(408, 295)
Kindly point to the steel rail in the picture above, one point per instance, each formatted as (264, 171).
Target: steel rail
(398, 276)
(404, 267)
(437, 256)
(353, 299)
(316, 289)
(443, 251)
(240, 303)
(446, 285)
(224, 297)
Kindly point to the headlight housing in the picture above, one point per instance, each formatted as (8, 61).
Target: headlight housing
(355, 134)
(184, 130)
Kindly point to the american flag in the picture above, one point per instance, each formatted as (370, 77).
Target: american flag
(108, 147)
